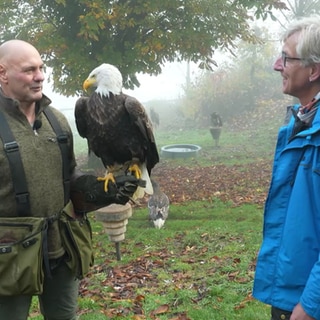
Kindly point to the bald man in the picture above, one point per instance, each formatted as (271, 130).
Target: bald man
(21, 75)
(23, 105)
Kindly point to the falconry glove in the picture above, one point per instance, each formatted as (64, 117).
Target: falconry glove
(127, 186)
(87, 193)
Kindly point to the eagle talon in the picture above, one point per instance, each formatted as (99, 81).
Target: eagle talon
(135, 170)
(108, 177)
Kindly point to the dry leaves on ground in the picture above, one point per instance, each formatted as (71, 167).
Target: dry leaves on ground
(238, 184)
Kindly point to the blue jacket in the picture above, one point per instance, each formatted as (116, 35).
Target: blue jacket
(288, 265)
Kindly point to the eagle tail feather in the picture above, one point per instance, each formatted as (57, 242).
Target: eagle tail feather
(145, 176)
(140, 192)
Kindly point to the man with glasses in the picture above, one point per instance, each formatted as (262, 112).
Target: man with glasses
(288, 266)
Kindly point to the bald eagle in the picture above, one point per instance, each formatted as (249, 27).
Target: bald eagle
(117, 128)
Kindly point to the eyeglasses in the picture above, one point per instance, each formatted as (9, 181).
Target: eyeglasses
(285, 58)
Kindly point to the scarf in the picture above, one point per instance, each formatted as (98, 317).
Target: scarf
(305, 115)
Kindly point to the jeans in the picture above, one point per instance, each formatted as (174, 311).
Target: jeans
(278, 314)
(57, 302)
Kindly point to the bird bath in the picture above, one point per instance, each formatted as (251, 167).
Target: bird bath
(174, 151)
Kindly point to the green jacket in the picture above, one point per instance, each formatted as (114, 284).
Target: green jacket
(41, 158)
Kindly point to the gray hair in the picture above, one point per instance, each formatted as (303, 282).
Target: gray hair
(308, 46)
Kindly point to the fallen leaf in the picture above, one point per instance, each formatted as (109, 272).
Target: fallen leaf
(160, 310)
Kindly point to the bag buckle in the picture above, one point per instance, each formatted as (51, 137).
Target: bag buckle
(11, 146)
(62, 138)
(29, 242)
(22, 198)
(5, 250)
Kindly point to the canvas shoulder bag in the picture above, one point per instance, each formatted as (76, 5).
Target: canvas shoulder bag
(76, 235)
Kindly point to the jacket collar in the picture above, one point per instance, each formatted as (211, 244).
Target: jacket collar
(12, 106)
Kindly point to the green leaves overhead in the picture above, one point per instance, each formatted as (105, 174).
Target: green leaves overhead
(136, 35)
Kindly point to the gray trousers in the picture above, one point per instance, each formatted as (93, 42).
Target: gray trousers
(58, 301)
(279, 314)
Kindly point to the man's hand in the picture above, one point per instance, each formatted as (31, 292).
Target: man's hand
(299, 314)
(87, 193)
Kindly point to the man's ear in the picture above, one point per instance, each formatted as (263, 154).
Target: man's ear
(3, 73)
(315, 72)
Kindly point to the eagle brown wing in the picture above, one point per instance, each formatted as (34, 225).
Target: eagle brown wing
(80, 114)
(140, 119)
(82, 120)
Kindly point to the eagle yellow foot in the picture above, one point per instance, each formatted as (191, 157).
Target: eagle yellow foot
(135, 170)
(108, 177)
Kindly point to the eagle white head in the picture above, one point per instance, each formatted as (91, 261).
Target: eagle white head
(106, 78)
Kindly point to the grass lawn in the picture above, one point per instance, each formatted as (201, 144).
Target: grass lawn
(200, 266)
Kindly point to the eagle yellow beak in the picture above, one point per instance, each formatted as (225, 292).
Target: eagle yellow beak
(88, 83)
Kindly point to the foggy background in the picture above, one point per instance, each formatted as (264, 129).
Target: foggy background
(184, 95)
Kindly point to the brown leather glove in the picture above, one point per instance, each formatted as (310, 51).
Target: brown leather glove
(87, 193)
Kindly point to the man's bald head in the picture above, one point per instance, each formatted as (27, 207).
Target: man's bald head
(21, 71)
(15, 49)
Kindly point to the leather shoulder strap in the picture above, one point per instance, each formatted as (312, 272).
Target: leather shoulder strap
(19, 181)
(63, 144)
